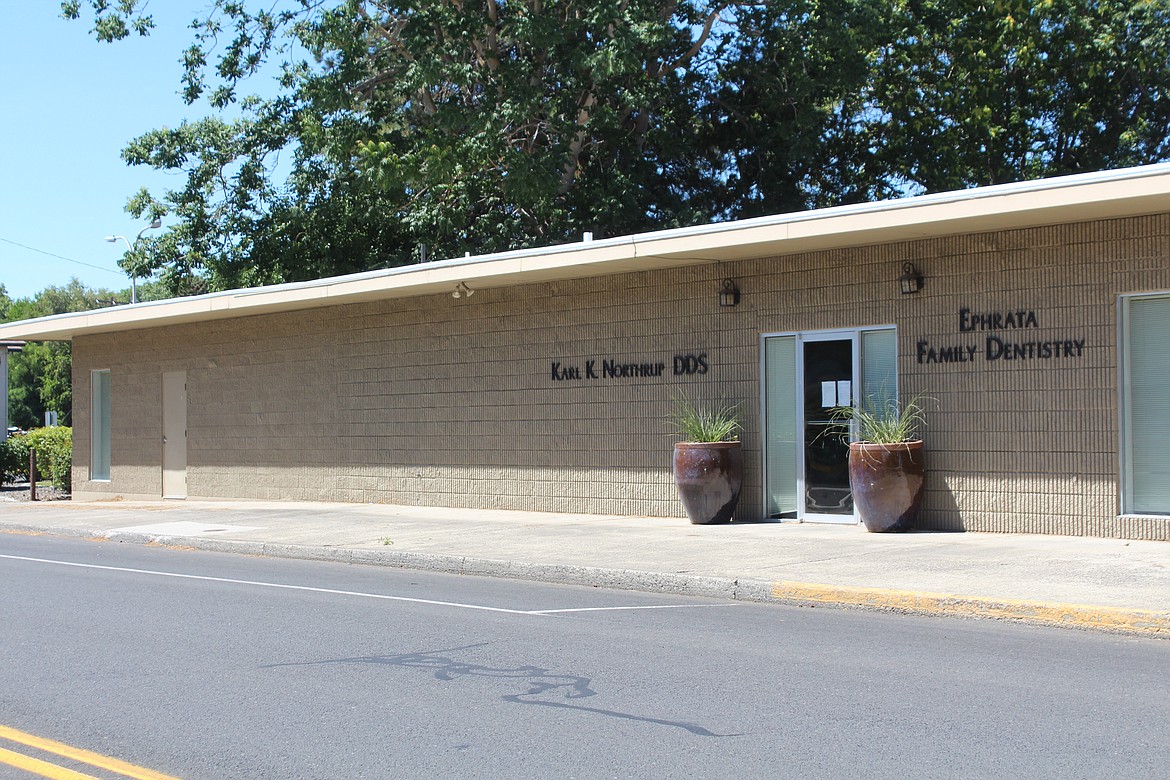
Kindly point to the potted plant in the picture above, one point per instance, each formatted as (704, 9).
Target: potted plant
(708, 463)
(886, 471)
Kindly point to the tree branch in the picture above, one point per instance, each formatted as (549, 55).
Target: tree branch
(700, 42)
(573, 164)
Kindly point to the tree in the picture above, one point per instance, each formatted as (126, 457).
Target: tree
(970, 92)
(782, 113)
(404, 129)
(40, 375)
(464, 127)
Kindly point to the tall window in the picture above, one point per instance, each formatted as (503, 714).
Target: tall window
(99, 440)
(1145, 392)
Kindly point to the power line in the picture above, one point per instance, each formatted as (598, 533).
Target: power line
(59, 257)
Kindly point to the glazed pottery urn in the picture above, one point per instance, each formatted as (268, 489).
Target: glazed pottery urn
(887, 482)
(709, 476)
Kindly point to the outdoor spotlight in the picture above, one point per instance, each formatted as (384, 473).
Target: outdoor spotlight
(462, 289)
(911, 279)
(729, 295)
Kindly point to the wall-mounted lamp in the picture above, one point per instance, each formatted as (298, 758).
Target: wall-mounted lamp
(911, 279)
(461, 290)
(729, 295)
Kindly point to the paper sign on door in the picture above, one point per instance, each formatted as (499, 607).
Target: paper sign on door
(836, 394)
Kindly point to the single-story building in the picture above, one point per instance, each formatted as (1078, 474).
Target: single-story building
(1034, 316)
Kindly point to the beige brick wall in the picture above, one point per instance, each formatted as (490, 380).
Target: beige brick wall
(450, 402)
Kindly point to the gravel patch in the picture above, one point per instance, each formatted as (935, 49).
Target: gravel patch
(18, 491)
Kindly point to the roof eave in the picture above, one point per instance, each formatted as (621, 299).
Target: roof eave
(1105, 195)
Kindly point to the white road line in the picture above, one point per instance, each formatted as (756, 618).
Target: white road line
(621, 609)
(270, 585)
(457, 605)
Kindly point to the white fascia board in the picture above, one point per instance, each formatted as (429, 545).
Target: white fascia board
(1027, 204)
(1099, 195)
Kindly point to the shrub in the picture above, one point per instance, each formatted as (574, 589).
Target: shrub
(14, 458)
(54, 448)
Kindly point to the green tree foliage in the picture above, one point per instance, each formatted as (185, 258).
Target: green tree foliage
(465, 127)
(484, 125)
(783, 112)
(39, 380)
(40, 375)
(976, 92)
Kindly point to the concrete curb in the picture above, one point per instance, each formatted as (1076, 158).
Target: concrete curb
(1082, 616)
(1076, 616)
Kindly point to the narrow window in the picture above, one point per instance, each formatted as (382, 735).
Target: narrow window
(1146, 405)
(780, 420)
(879, 368)
(99, 441)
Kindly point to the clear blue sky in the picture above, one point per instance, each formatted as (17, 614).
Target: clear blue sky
(69, 106)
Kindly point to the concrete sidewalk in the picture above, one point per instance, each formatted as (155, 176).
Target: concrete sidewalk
(1104, 584)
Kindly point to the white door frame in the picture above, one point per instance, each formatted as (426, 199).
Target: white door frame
(854, 335)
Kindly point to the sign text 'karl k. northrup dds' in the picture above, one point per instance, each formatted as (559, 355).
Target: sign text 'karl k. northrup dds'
(1008, 340)
(683, 365)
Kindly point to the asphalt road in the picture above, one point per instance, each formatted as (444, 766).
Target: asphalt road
(210, 666)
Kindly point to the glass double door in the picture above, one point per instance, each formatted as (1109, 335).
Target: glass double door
(807, 376)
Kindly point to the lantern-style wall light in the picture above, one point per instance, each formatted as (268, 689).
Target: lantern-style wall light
(911, 279)
(729, 295)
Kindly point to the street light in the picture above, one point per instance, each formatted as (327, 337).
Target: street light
(130, 248)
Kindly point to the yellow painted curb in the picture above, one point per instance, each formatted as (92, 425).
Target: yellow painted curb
(1133, 621)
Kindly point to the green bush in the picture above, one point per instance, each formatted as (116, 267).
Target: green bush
(54, 448)
(14, 458)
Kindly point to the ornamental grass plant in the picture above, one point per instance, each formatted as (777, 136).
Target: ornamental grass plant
(695, 422)
(885, 422)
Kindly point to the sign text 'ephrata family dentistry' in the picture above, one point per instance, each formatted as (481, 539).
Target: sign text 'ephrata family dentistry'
(1007, 341)
(684, 365)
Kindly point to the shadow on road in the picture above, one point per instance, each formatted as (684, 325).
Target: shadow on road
(540, 682)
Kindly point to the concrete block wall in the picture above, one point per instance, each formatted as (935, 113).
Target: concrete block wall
(451, 402)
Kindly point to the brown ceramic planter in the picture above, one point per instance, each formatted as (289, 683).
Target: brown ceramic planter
(887, 482)
(709, 476)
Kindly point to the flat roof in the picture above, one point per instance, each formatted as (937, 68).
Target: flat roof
(1101, 195)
